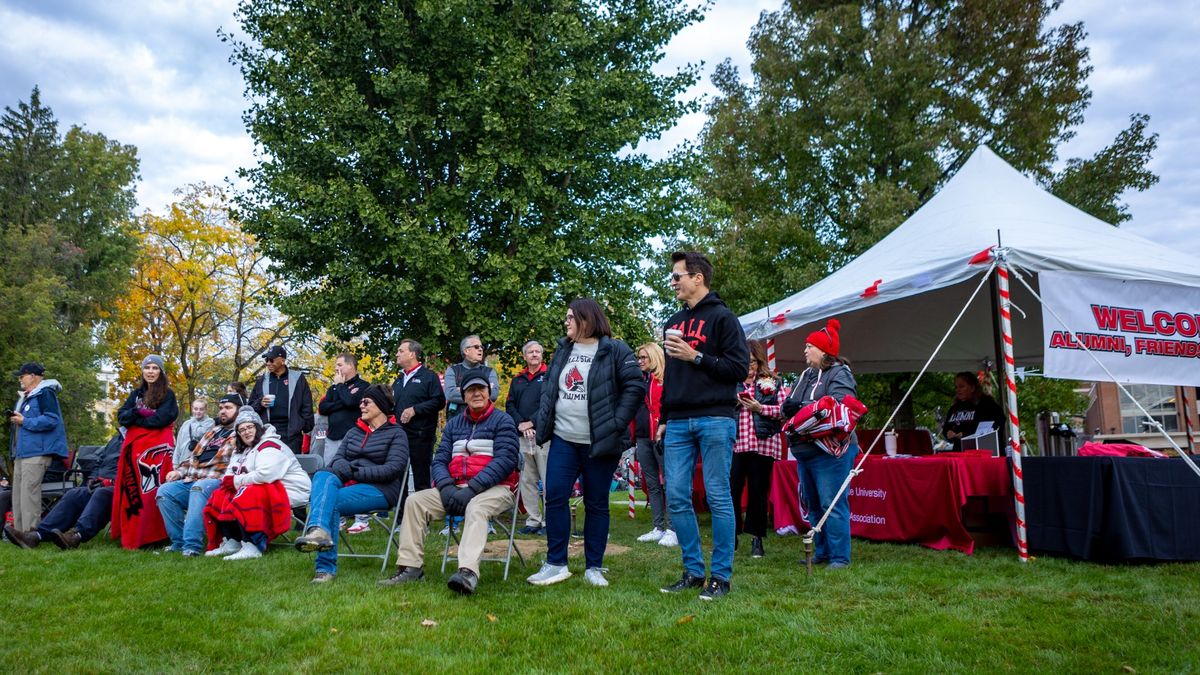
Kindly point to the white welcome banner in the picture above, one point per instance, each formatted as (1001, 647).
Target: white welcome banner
(1144, 332)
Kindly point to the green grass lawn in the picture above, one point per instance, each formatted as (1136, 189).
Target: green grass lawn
(900, 608)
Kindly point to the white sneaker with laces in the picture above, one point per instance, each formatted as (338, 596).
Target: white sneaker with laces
(550, 574)
(246, 552)
(652, 535)
(669, 539)
(227, 547)
(359, 526)
(595, 576)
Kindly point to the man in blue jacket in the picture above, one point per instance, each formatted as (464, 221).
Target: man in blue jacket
(39, 438)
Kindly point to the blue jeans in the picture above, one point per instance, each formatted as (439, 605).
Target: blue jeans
(821, 474)
(182, 507)
(330, 501)
(710, 438)
(564, 462)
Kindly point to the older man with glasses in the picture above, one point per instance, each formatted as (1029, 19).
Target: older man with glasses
(473, 357)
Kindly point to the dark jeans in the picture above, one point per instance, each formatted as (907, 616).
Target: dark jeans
(656, 494)
(295, 442)
(420, 458)
(750, 469)
(85, 510)
(566, 461)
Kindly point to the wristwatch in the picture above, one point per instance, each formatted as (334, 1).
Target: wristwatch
(697, 359)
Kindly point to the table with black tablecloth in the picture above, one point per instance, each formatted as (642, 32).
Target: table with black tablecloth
(910, 499)
(1112, 508)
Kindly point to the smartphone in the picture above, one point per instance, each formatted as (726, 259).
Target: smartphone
(746, 395)
(10, 413)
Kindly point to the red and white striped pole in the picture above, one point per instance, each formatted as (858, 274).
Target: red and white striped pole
(771, 354)
(1187, 420)
(633, 471)
(1014, 426)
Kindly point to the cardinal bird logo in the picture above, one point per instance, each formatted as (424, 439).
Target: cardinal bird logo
(574, 381)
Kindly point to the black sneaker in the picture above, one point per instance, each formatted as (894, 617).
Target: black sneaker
(403, 575)
(685, 582)
(463, 581)
(756, 547)
(715, 588)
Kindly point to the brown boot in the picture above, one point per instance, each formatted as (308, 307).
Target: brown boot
(66, 540)
(22, 539)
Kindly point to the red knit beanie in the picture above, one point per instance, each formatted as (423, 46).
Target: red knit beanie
(827, 339)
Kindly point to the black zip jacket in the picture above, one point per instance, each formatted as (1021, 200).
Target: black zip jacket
(615, 390)
(340, 405)
(710, 388)
(379, 458)
(424, 395)
(525, 394)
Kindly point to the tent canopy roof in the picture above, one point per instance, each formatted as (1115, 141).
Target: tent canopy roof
(925, 277)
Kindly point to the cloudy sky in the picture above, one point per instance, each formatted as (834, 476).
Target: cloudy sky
(156, 75)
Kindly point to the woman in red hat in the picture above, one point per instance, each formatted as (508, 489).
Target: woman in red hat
(822, 474)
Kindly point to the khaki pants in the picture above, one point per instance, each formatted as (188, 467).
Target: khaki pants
(27, 491)
(426, 505)
(533, 471)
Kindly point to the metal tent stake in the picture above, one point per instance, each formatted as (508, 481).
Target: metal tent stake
(808, 551)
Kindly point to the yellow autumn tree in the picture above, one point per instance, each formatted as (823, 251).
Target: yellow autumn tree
(199, 297)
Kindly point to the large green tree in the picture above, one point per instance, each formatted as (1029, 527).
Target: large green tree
(858, 112)
(431, 169)
(66, 203)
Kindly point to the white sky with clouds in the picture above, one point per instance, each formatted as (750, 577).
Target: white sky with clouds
(155, 74)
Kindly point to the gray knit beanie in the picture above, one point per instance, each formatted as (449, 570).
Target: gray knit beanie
(156, 360)
(247, 414)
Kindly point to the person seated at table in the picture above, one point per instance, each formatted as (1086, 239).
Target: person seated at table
(971, 407)
(366, 474)
(821, 474)
(262, 484)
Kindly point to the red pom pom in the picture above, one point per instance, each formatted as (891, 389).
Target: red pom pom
(834, 325)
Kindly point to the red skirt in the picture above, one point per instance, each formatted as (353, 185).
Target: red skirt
(144, 461)
(261, 507)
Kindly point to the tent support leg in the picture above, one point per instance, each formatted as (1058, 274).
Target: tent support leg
(1014, 426)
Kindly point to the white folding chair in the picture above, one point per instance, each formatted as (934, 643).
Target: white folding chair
(389, 525)
(509, 529)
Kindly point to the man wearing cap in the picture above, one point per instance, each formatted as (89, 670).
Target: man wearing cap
(188, 486)
(473, 356)
(474, 472)
(39, 437)
(82, 511)
(419, 399)
(283, 400)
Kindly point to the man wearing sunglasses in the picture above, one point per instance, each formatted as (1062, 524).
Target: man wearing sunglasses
(473, 356)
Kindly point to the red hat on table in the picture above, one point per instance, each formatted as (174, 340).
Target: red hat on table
(827, 339)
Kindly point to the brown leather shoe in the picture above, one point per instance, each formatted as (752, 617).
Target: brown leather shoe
(22, 539)
(66, 540)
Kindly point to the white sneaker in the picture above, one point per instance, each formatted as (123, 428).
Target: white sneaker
(595, 576)
(227, 547)
(550, 574)
(359, 527)
(669, 539)
(247, 552)
(652, 535)
(445, 531)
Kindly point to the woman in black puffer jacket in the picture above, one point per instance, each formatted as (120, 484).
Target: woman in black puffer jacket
(596, 388)
(365, 475)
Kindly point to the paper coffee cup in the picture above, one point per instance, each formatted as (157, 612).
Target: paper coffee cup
(889, 443)
(672, 331)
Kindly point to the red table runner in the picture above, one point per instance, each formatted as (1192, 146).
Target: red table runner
(916, 499)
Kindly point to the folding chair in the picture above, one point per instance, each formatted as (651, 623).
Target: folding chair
(70, 474)
(311, 465)
(509, 529)
(391, 526)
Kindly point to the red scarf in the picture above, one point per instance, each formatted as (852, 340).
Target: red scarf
(530, 374)
(477, 418)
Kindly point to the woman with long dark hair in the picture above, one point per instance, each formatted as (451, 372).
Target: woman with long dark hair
(596, 387)
(148, 414)
(971, 406)
(822, 474)
(757, 447)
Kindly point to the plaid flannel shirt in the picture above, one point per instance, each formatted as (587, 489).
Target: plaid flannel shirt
(747, 440)
(192, 470)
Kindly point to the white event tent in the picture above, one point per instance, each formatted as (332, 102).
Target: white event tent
(924, 276)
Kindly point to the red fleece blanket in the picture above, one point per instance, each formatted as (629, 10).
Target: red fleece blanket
(145, 460)
(258, 508)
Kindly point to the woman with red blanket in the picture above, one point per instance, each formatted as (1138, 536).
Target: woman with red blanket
(262, 484)
(149, 416)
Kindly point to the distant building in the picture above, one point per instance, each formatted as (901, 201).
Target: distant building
(1113, 415)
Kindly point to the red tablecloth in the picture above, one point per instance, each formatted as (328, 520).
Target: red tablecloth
(916, 499)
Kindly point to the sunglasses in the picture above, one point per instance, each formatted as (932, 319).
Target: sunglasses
(474, 347)
(676, 276)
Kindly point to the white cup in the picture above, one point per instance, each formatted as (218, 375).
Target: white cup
(269, 400)
(672, 331)
(889, 443)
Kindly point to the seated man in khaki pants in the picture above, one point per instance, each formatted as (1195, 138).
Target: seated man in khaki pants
(474, 471)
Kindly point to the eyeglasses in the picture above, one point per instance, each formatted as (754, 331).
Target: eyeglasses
(364, 402)
(473, 347)
(676, 276)
(570, 317)
(643, 358)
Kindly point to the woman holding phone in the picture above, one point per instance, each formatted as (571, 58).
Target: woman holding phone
(757, 448)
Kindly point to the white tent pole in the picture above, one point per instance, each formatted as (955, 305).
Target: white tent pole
(1014, 426)
(1113, 378)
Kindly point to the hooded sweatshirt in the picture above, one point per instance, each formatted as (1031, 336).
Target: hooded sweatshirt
(268, 461)
(710, 388)
(42, 433)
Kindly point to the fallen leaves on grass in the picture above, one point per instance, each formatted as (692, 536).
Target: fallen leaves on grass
(492, 618)
(428, 623)
(688, 618)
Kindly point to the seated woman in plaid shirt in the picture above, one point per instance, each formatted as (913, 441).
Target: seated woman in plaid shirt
(757, 447)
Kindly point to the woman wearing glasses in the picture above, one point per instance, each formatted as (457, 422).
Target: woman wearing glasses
(365, 475)
(645, 429)
(595, 389)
